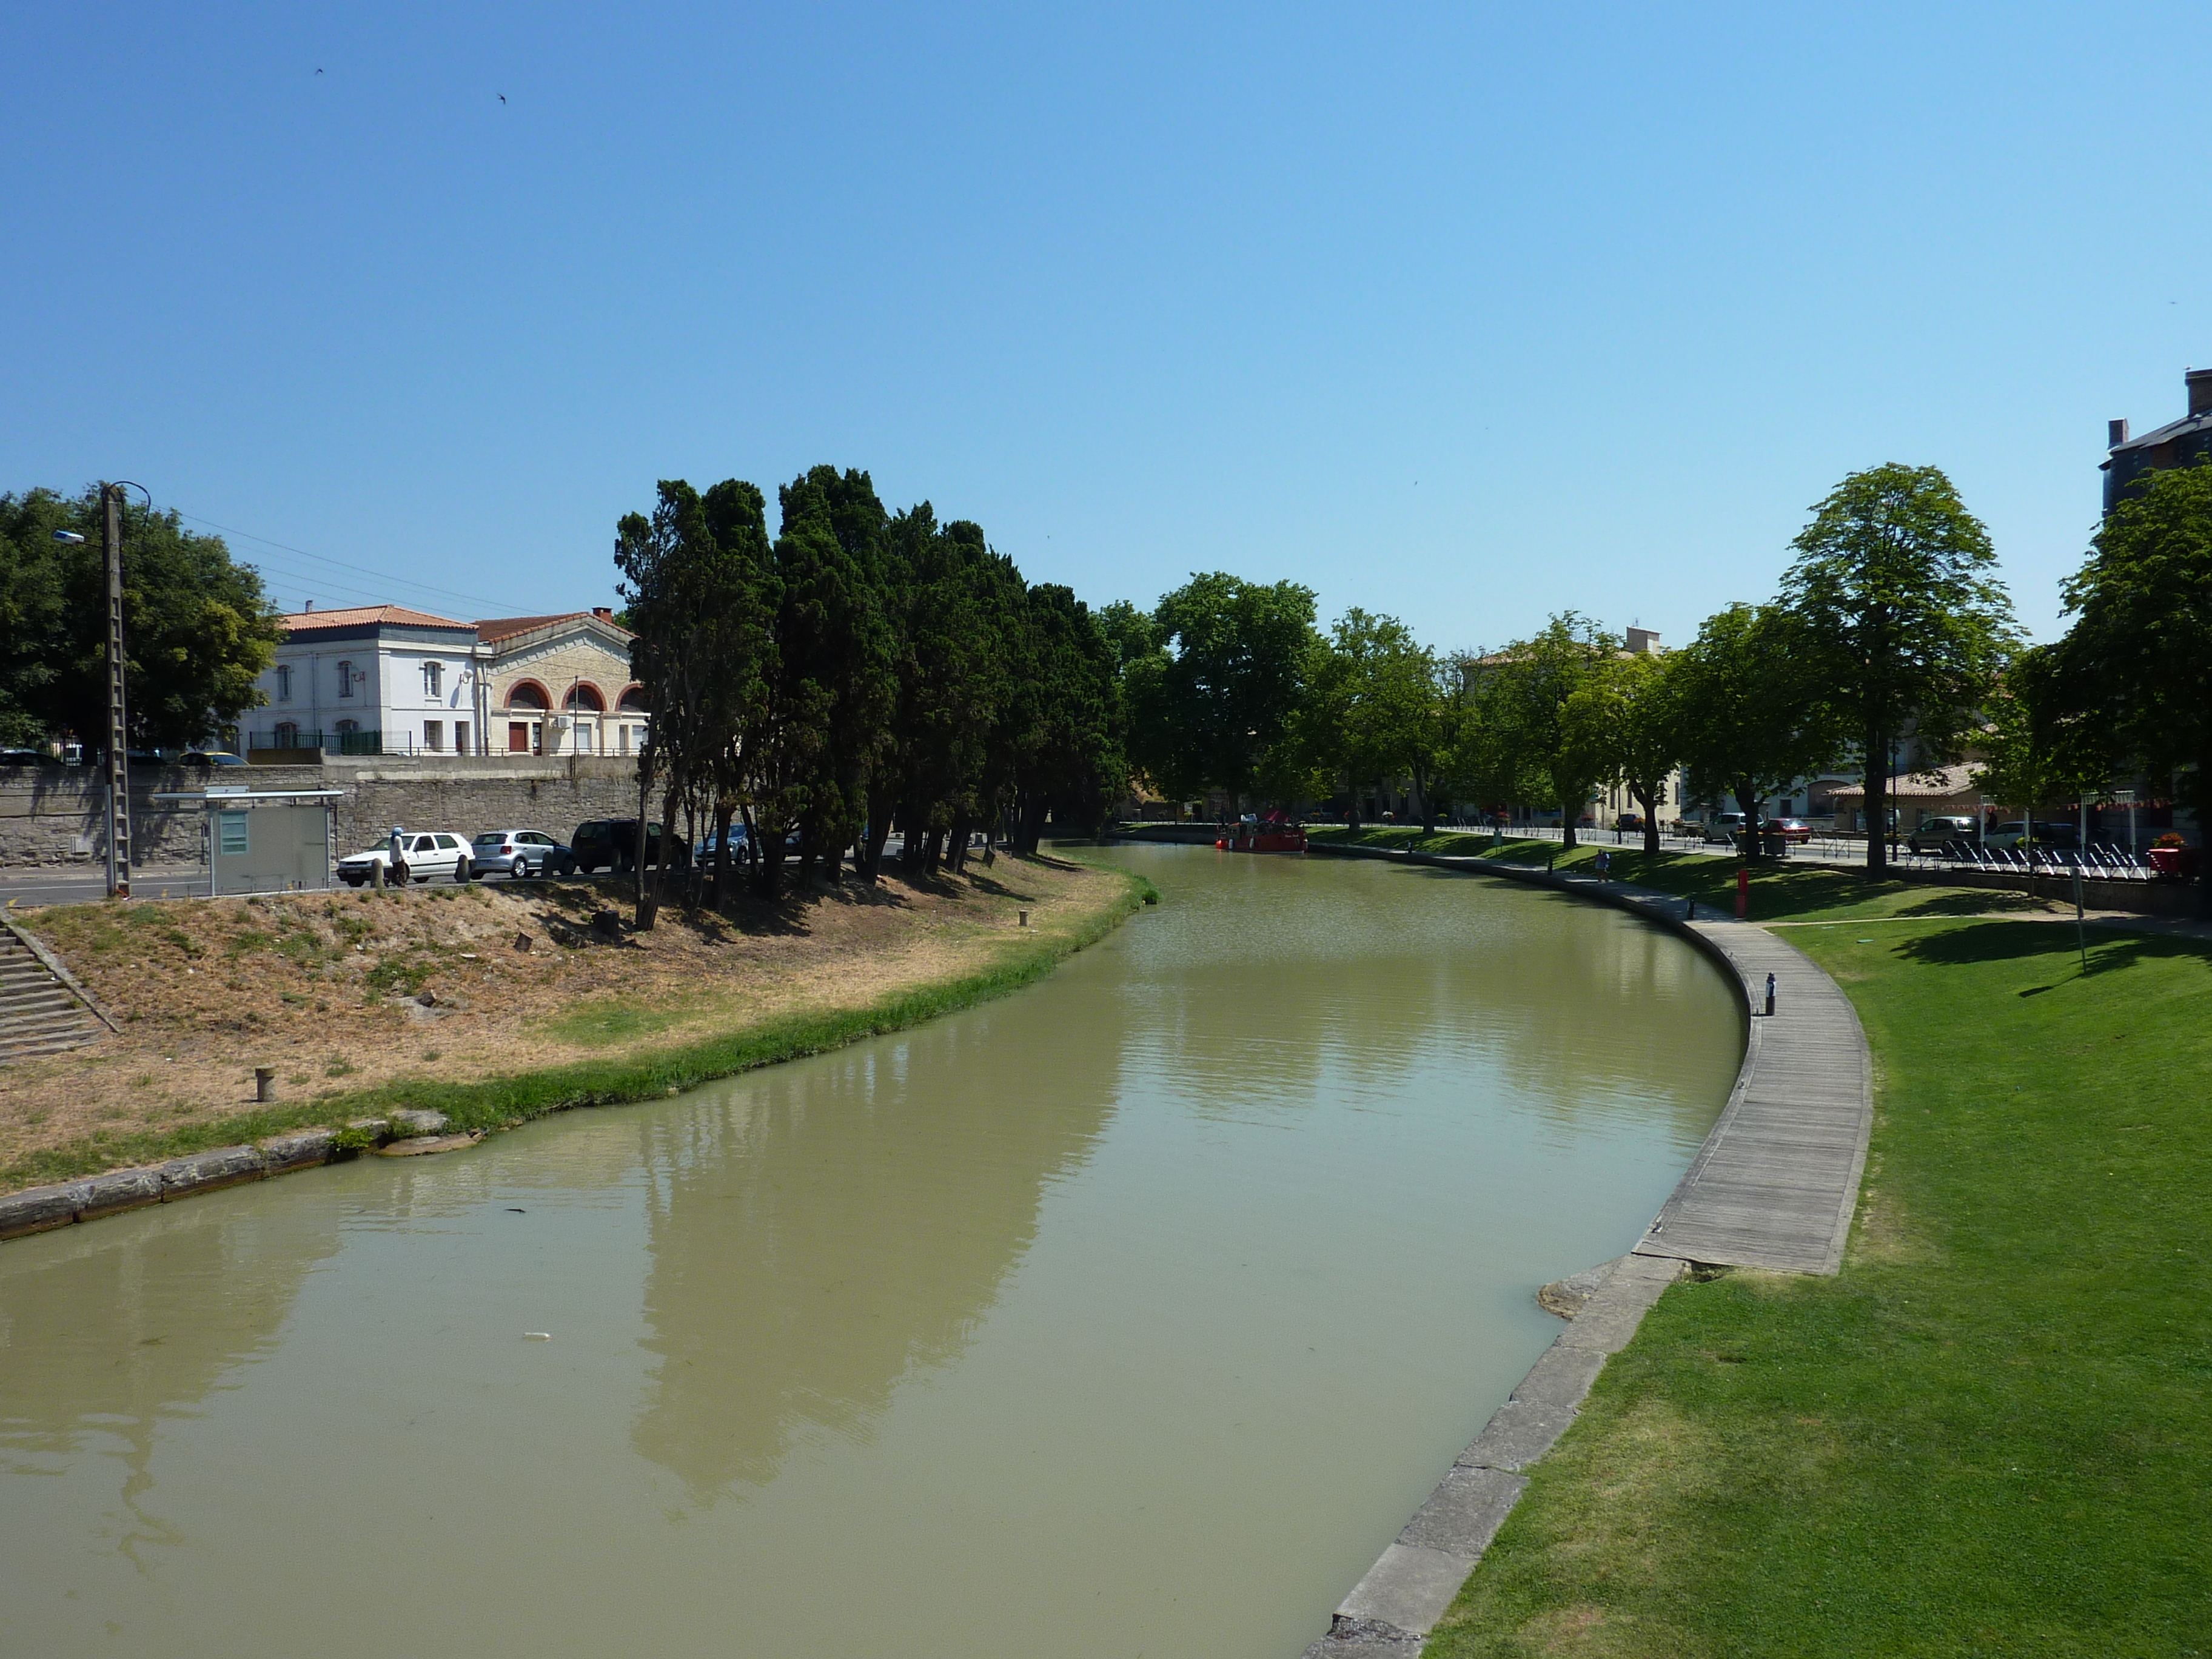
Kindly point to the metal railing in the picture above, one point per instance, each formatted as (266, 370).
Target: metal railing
(328, 743)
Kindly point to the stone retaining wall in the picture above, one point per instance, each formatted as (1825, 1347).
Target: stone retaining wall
(59, 816)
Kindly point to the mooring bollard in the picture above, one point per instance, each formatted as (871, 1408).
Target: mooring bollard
(1689, 909)
(265, 1084)
(376, 876)
(1024, 920)
(1770, 996)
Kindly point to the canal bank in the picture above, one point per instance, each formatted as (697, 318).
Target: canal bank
(1772, 1188)
(1061, 1319)
(491, 1005)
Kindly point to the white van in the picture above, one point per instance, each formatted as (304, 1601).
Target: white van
(1724, 826)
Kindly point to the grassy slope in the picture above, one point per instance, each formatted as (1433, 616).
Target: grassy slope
(517, 1098)
(1990, 1434)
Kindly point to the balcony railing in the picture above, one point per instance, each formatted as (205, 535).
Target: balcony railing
(327, 743)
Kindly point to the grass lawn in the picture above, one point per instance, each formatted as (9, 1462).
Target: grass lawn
(1779, 893)
(1992, 1433)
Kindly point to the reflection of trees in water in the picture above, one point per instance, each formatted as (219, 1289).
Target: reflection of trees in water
(109, 1328)
(1576, 1007)
(828, 1227)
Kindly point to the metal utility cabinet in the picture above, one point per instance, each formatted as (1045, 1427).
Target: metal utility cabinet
(266, 841)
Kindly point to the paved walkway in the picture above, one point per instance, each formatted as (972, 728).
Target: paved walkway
(1774, 1186)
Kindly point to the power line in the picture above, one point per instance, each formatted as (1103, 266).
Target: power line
(380, 575)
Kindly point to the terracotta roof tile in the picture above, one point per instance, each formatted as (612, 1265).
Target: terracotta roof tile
(364, 615)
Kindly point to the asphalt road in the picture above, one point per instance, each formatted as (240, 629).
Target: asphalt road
(21, 891)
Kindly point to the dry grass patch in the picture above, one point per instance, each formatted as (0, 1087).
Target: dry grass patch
(351, 992)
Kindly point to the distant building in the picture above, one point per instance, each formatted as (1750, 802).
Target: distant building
(560, 685)
(385, 680)
(2179, 443)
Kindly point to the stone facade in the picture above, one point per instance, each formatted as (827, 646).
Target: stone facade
(560, 686)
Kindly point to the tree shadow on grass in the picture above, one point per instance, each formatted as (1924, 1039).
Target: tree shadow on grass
(2000, 941)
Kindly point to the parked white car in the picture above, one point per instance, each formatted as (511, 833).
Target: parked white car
(1724, 826)
(423, 853)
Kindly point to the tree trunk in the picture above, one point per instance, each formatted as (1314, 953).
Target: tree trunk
(723, 808)
(1569, 811)
(957, 842)
(1428, 810)
(871, 849)
(1352, 814)
(2204, 824)
(1649, 803)
(648, 909)
(1755, 847)
(643, 919)
(1877, 802)
(1033, 812)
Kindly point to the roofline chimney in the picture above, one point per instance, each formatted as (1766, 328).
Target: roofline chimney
(2116, 433)
(2199, 382)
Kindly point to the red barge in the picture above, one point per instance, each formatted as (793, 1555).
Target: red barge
(1271, 833)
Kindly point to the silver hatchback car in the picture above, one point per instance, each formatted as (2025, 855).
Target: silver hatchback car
(519, 853)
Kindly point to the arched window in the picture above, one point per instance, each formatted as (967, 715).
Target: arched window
(284, 682)
(287, 735)
(527, 695)
(585, 698)
(633, 701)
(345, 679)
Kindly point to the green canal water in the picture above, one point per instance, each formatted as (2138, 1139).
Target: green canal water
(1131, 1315)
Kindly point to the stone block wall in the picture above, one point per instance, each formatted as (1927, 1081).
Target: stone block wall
(59, 816)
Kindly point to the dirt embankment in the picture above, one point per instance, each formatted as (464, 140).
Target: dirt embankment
(344, 992)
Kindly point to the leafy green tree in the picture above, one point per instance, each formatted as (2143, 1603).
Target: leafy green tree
(1750, 712)
(697, 649)
(736, 520)
(2040, 749)
(836, 658)
(198, 628)
(1373, 709)
(1222, 691)
(1529, 692)
(1068, 754)
(2137, 665)
(1630, 716)
(1893, 587)
(943, 593)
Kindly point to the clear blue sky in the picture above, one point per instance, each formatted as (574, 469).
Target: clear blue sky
(1465, 314)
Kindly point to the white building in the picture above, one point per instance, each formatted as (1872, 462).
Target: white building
(374, 679)
(385, 680)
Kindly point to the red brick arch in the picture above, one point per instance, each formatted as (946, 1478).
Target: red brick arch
(544, 697)
(581, 689)
(623, 704)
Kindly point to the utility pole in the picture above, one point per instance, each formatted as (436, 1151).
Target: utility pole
(119, 778)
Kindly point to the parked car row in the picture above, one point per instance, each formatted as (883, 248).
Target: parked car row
(1728, 826)
(426, 854)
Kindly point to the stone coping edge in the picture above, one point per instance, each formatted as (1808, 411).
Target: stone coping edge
(1391, 1611)
(93, 1197)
